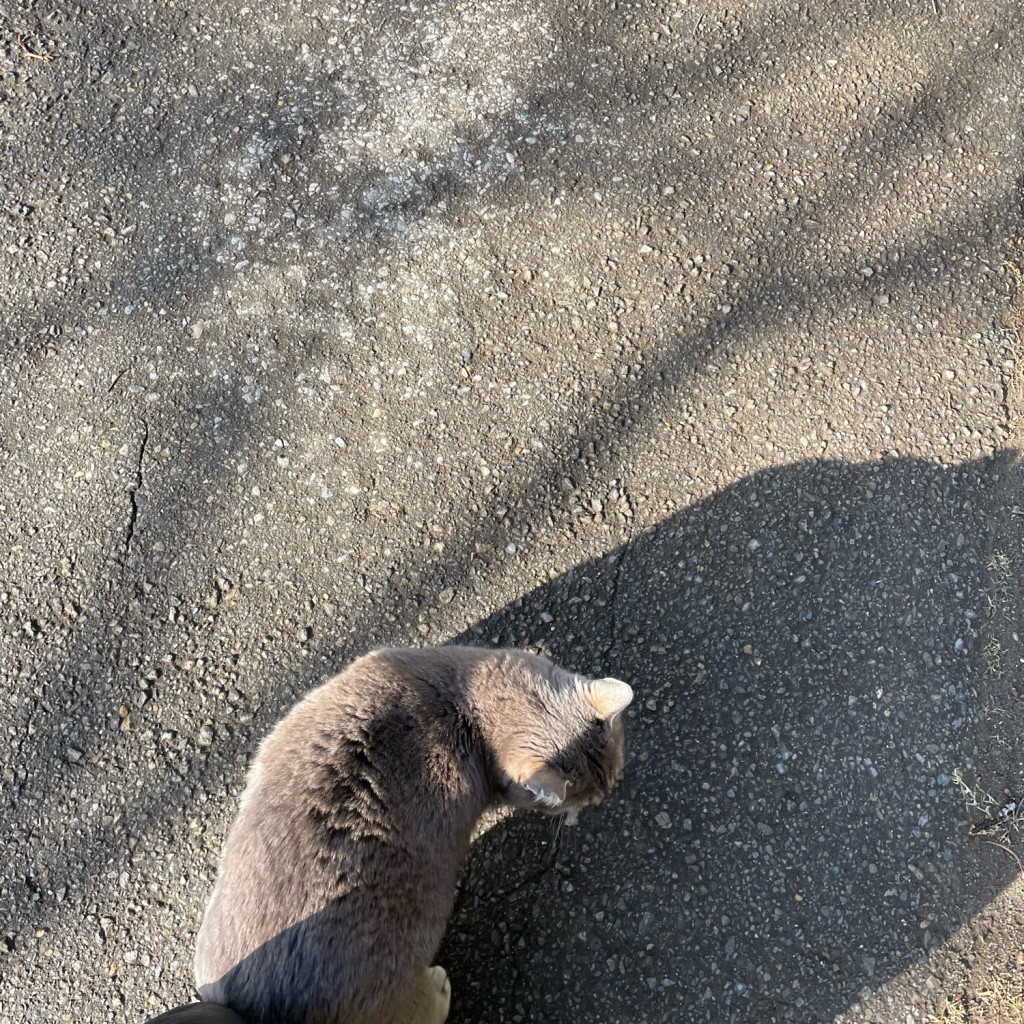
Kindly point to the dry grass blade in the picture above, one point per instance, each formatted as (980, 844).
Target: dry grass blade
(27, 51)
(1013, 853)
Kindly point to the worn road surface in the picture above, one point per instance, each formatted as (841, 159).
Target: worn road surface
(676, 340)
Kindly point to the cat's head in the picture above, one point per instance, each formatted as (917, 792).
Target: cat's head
(564, 746)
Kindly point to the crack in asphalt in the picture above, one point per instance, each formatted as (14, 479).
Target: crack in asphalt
(532, 881)
(1012, 325)
(620, 560)
(133, 506)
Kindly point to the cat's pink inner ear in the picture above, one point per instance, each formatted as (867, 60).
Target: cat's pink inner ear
(609, 697)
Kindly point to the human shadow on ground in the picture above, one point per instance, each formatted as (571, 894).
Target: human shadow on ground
(805, 649)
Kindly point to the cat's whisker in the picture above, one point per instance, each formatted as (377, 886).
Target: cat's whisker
(556, 844)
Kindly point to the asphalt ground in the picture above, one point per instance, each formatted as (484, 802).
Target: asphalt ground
(676, 341)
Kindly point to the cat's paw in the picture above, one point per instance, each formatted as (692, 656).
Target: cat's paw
(442, 987)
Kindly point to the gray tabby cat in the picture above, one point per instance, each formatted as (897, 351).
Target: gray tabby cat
(338, 876)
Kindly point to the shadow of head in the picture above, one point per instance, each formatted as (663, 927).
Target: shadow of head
(804, 648)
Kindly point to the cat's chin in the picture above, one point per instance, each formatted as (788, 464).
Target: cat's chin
(571, 817)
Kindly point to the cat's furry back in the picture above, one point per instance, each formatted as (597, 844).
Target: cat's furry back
(338, 875)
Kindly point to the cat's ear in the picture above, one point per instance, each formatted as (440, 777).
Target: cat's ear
(608, 697)
(547, 787)
(534, 783)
